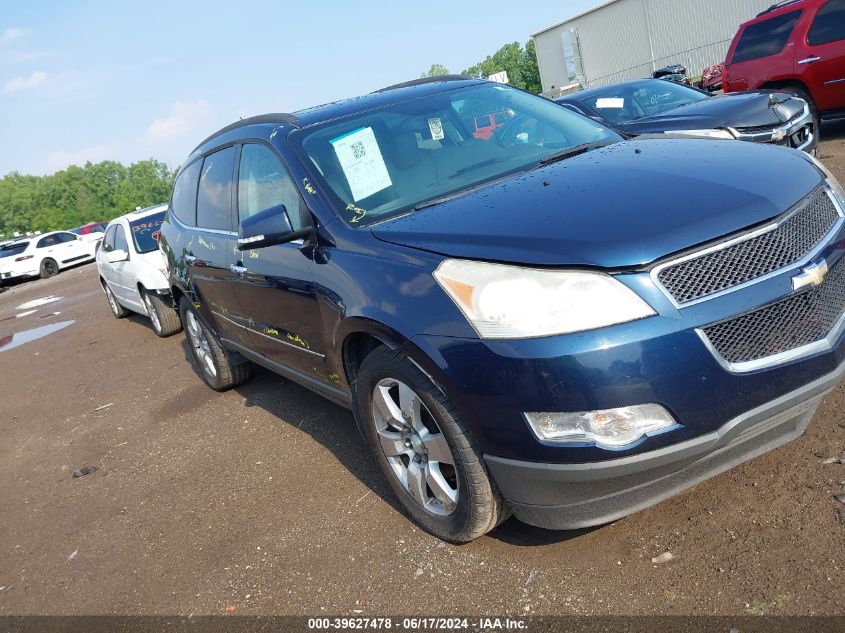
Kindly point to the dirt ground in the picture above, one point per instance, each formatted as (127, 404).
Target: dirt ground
(263, 500)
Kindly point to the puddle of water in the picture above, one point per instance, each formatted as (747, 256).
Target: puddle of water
(35, 303)
(19, 338)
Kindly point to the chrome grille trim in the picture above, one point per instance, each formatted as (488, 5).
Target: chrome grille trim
(746, 237)
(822, 344)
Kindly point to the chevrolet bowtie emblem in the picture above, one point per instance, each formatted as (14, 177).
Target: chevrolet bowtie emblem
(812, 275)
(779, 135)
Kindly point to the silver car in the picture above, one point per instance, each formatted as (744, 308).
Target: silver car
(132, 269)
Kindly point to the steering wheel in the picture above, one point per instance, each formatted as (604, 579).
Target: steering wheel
(509, 134)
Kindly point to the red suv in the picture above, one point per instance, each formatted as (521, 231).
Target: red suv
(799, 46)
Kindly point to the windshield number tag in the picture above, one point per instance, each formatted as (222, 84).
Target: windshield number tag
(362, 163)
(610, 103)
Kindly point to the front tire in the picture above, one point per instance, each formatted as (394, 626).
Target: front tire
(49, 268)
(165, 320)
(425, 450)
(220, 369)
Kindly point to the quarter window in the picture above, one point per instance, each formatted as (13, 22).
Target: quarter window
(214, 200)
(829, 25)
(108, 240)
(184, 201)
(765, 39)
(120, 243)
(264, 183)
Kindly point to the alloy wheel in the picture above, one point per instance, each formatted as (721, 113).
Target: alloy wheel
(199, 341)
(151, 312)
(112, 301)
(415, 447)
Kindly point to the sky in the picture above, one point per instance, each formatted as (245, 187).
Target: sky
(92, 80)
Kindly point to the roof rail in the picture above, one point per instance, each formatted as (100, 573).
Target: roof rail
(423, 80)
(778, 5)
(282, 118)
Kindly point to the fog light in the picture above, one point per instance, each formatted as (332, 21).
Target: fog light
(612, 428)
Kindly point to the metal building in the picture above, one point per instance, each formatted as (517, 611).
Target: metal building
(629, 39)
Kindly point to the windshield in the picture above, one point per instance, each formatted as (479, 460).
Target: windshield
(627, 102)
(13, 249)
(145, 232)
(390, 160)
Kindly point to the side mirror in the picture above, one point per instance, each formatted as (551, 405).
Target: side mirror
(269, 227)
(114, 257)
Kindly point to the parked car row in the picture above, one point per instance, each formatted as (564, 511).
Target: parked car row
(525, 321)
(44, 255)
(712, 77)
(653, 106)
(797, 46)
(132, 269)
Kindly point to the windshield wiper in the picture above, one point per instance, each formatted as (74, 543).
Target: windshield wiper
(573, 151)
(461, 192)
(563, 155)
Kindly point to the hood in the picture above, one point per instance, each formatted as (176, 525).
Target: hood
(749, 109)
(621, 206)
(154, 259)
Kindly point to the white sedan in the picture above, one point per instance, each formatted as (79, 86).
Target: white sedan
(133, 270)
(44, 255)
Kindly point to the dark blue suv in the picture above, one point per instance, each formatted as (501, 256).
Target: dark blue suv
(547, 321)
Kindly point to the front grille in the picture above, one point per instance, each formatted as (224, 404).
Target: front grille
(743, 261)
(782, 326)
(759, 129)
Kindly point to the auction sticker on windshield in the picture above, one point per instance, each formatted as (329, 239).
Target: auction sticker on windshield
(610, 102)
(362, 163)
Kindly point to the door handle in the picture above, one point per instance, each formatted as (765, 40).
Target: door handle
(810, 60)
(240, 271)
(190, 259)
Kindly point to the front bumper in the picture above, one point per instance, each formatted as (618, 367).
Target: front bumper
(800, 133)
(573, 496)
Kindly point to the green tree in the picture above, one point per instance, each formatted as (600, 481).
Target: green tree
(520, 64)
(77, 195)
(530, 70)
(435, 70)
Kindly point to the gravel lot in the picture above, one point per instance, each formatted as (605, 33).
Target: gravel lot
(263, 500)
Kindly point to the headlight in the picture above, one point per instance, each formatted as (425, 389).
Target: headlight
(514, 302)
(721, 134)
(612, 428)
(831, 179)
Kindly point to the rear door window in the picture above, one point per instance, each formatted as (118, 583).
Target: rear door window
(214, 200)
(184, 201)
(829, 24)
(45, 242)
(766, 38)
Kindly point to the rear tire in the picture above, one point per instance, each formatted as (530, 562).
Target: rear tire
(165, 320)
(220, 369)
(802, 93)
(117, 310)
(49, 268)
(425, 450)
